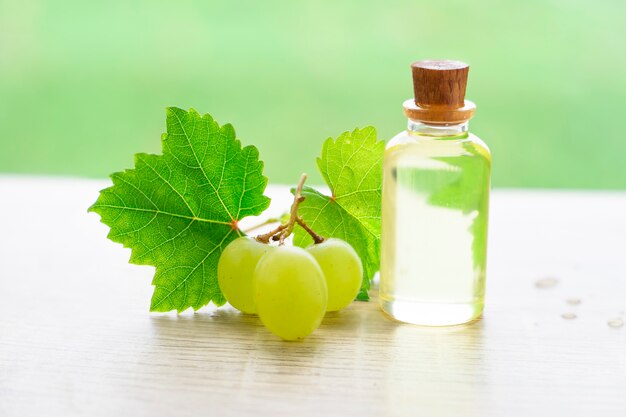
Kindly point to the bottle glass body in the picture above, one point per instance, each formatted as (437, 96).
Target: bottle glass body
(436, 182)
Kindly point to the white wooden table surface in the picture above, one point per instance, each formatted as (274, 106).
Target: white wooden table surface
(76, 337)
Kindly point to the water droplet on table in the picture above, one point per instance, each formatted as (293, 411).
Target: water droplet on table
(573, 301)
(546, 282)
(568, 316)
(615, 323)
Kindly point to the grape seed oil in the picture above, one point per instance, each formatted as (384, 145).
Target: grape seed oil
(436, 181)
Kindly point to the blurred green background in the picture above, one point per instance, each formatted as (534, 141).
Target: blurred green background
(83, 85)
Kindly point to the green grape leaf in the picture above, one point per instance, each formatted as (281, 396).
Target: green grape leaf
(178, 211)
(351, 166)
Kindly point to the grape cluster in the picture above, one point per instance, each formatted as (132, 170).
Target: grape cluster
(290, 288)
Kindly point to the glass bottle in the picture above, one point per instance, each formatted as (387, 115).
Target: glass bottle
(436, 181)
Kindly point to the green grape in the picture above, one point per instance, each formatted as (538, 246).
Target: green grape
(235, 271)
(290, 292)
(342, 268)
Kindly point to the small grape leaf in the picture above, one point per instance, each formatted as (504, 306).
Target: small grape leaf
(352, 168)
(177, 211)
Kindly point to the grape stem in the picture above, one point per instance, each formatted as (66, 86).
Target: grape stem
(265, 237)
(297, 199)
(316, 238)
(283, 231)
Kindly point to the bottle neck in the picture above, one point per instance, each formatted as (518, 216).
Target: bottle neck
(437, 131)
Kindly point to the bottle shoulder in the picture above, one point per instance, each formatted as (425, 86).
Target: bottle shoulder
(466, 145)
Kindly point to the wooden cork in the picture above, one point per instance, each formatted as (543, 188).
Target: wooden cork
(439, 87)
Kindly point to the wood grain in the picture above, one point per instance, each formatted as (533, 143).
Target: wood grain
(76, 337)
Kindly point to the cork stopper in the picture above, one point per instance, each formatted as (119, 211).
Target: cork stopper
(439, 87)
